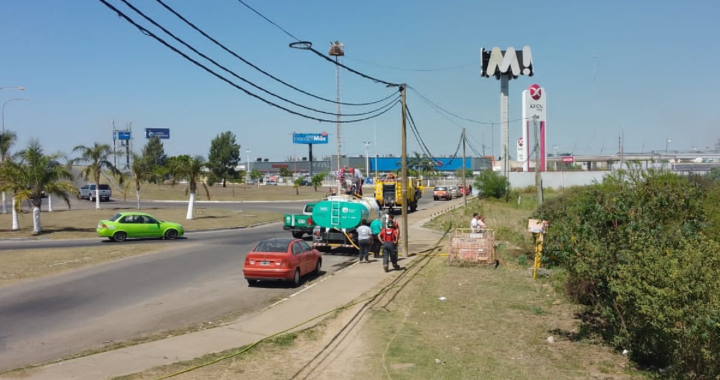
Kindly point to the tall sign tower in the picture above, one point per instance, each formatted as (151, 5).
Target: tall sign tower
(534, 110)
(505, 65)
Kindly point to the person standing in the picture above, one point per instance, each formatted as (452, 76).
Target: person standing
(474, 223)
(359, 180)
(376, 228)
(364, 240)
(389, 238)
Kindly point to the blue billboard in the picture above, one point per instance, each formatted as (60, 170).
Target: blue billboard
(310, 138)
(161, 133)
(121, 135)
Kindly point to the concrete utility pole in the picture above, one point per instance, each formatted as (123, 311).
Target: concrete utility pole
(538, 178)
(464, 170)
(505, 124)
(247, 169)
(404, 181)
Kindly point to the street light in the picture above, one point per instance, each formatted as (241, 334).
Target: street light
(17, 88)
(667, 143)
(367, 158)
(2, 156)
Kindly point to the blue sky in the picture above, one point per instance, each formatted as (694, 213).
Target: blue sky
(83, 66)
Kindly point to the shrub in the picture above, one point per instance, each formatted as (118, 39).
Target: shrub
(492, 184)
(635, 253)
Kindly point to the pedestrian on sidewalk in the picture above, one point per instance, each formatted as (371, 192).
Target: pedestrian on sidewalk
(376, 228)
(364, 240)
(389, 238)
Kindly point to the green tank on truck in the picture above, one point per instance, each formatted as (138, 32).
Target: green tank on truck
(337, 218)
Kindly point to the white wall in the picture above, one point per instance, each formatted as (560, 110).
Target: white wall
(557, 180)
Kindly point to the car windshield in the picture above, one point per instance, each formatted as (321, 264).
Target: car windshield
(114, 217)
(272, 246)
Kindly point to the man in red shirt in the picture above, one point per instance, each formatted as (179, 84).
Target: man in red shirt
(389, 237)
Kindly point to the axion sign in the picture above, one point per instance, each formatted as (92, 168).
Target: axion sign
(535, 91)
(508, 62)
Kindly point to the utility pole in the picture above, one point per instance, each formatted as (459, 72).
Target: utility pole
(464, 171)
(538, 179)
(337, 50)
(404, 181)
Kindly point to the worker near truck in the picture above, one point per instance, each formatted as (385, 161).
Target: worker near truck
(365, 239)
(376, 228)
(359, 181)
(389, 237)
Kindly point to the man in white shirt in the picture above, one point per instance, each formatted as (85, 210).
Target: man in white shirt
(359, 180)
(477, 224)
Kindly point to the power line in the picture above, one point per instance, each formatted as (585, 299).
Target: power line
(268, 20)
(438, 109)
(414, 127)
(237, 76)
(163, 42)
(196, 28)
(416, 70)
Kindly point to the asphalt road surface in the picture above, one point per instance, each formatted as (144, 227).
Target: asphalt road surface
(198, 279)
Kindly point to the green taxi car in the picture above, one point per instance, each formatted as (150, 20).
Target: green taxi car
(137, 225)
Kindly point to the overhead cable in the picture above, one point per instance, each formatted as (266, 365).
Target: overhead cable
(196, 28)
(163, 42)
(416, 70)
(268, 20)
(239, 77)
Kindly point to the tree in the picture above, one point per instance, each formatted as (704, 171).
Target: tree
(468, 173)
(317, 179)
(297, 183)
(224, 156)
(492, 184)
(14, 179)
(422, 164)
(7, 140)
(255, 175)
(141, 170)
(45, 174)
(97, 158)
(189, 169)
(286, 173)
(153, 153)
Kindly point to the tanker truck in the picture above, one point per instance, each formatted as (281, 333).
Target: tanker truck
(337, 218)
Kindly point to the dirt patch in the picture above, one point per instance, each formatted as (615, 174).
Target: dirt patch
(78, 224)
(27, 264)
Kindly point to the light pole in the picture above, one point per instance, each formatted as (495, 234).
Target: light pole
(2, 156)
(15, 87)
(367, 158)
(247, 170)
(667, 144)
(337, 50)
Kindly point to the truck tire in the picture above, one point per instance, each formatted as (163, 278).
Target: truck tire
(298, 235)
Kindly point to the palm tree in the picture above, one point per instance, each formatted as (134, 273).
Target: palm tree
(45, 174)
(98, 159)
(141, 170)
(7, 140)
(422, 163)
(14, 179)
(189, 169)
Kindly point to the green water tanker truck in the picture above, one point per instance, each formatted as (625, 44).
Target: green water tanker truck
(337, 218)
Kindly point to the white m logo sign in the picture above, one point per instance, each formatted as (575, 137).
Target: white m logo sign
(508, 62)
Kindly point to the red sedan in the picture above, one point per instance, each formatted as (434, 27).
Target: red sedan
(281, 259)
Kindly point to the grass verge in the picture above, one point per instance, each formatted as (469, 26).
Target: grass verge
(230, 193)
(27, 264)
(78, 224)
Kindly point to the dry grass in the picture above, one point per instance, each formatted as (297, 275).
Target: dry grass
(26, 264)
(494, 324)
(77, 224)
(229, 193)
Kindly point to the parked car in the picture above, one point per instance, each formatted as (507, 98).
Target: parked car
(467, 190)
(281, 259)
(441, 192)
(271, 183)
(454, 192)
(88, 192)
(128, 225)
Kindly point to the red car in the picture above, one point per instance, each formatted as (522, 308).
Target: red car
(281, 259)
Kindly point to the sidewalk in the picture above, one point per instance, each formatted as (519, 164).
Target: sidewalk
(323, 296)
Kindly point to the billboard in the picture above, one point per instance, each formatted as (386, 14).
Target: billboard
(534, 103)
(121, 135)
(310, 138)
(162, 133)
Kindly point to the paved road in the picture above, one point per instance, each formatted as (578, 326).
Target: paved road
(201, 279)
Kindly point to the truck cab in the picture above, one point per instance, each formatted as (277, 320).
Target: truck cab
(300, 224)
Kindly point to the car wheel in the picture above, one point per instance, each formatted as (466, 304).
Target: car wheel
(298, 235)
(120, 236)
(170, 234)
(296, 278)
(318, 265)
(251, 282)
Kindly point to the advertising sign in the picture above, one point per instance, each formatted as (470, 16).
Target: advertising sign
(520, 150)
(568, 159)
(121, 135)
(534, 104)
(310, 138)
(162, 133)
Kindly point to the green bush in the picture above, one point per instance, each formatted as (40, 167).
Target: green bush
(492, 184)
(634, 250)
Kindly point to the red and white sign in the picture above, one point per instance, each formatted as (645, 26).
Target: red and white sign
(535, 91)
(534, 108)
(568, 159)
